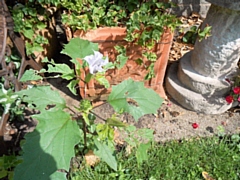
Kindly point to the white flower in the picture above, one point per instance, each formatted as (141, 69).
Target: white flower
(96, 62)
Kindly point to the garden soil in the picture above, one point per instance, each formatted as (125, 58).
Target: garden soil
(171, 122)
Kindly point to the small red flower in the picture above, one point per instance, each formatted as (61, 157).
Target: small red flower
(239, 98)
(236, 90)
(229, 99)
(195, 125)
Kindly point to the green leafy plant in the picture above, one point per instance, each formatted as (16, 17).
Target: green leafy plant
(186, 159)
(235, 141)
(10, 103)
(195, 32)
(145, 22)
(61, 135)
(134, 136)
(7, 165)
(28, 19)
(57, 134)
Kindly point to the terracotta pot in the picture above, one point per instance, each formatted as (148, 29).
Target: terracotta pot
(107, 38)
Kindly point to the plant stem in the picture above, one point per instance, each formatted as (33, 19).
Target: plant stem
(97, 116)
(84, 134)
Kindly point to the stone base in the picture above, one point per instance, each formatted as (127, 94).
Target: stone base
(192, 100)
(198, 83)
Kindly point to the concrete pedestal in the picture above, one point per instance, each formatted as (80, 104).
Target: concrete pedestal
(198, 82)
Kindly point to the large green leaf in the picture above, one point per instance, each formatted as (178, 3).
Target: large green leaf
(79, 48)
(41, 97)
(30, 75)
(49, 147)
(106, 154)
(132, 97)
(58, 175)
(65, 70)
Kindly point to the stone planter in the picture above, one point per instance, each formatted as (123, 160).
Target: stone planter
(107, 38)
(200, 82)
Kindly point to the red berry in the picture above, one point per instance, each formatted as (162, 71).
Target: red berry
(229, 99)
(195, 125)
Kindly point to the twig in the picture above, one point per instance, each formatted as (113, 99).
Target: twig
(98, 116)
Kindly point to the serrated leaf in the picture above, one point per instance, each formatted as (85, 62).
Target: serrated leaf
(37, 48)
(131, 128)
(79, 48)
(28, 33)
(65, 70)
(121, 61)
(104, 131)
(41, 97)
(41, 25)
(106, 154)
(58, 176)
(146, 100)
(145, 133)
(109, 65)
(102, 80)
(30, 75)
(49, 147)
(141, 153)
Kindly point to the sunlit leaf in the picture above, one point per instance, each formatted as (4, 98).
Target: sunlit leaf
(49, 147)
(102, 80)
(65, 70)
(41, 97)
(79, 48)
(30, 75)
(134, 98)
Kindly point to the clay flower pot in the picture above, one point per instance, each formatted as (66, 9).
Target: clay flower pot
(109, 37)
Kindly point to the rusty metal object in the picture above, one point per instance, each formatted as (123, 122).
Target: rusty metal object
(6, 29)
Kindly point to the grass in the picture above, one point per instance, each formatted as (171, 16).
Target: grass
(174, 160)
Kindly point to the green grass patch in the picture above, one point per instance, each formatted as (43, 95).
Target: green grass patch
(174, 160)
